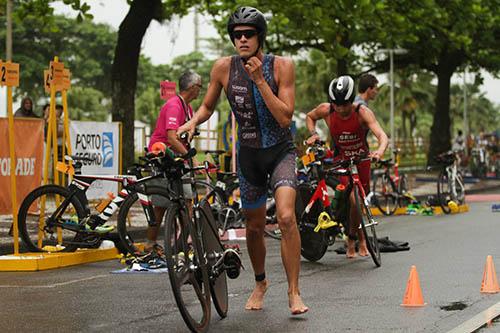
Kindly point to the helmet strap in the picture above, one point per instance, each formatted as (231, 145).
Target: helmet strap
(245, 59)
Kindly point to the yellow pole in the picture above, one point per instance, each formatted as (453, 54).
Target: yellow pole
(66, 138)
(53, 120)
(13, 188)
(48, 146)
(54, 145)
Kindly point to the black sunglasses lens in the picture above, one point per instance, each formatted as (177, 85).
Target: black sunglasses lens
(247, 33)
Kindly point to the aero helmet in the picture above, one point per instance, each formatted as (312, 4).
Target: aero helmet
(248, 16)
(341, 90)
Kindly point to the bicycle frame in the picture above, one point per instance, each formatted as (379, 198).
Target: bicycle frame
(351, 171)
(80, 184)
(325, 219)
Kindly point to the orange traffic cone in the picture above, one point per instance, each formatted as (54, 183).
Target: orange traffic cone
(413, 294)
(490, 282)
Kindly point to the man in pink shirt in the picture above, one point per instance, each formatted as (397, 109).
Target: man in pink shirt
(174, 113)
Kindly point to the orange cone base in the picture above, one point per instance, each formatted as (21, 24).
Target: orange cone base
(413, 305)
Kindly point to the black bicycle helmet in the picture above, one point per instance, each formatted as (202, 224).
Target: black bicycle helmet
(341, 90)
(248, 16)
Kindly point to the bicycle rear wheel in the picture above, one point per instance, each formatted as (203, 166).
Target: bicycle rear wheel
(272, 228)
(403, 188)
(367, 224)
(385, 194)
(215, 198)
(444, 192)
(460, 191)
(214, 250)
(34, 212)
(187, 269)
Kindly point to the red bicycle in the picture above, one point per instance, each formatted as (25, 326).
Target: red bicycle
(320, 221)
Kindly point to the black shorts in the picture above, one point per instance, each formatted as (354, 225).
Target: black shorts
(259, 168)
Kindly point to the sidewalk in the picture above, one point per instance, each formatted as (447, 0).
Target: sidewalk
(421, 185)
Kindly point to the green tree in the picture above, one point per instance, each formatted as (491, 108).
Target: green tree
(313, 75)
(442, 37)
(126, 53)
(332, 27)
(87, 103)
(482, 114)
(36, 44)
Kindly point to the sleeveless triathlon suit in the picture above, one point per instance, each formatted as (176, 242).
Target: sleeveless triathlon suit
(265, 150)
(349, 138)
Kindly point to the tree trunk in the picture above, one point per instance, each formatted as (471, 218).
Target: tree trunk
(440, 130)
(342, 67)
(124, 70)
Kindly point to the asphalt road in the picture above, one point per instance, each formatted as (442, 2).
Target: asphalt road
(344, 295)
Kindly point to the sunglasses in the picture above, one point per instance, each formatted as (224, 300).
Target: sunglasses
(237, 34)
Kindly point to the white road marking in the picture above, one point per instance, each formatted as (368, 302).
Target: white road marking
(478, 320)
(59, 284)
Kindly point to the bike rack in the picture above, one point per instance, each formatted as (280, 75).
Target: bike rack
(38, 261)
(437, 210)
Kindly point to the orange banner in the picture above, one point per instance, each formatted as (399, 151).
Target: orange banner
(29, 159)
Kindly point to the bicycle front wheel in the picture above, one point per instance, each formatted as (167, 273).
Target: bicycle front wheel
(385, 195)
(187, 269)
(136, 215)
(367, 224)
(313, 245)
(44, 206)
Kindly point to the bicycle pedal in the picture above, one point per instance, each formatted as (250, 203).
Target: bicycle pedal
(324, 222)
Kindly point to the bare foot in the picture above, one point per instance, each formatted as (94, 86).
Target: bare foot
(297, 307)
(363, 250)
(351, 249)
(256, 300)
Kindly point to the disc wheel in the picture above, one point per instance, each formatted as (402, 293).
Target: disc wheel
(213, 250)
(313, 244)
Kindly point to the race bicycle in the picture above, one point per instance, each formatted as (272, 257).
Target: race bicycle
(319, 224)
(450, 183)
(390, 188)
(318, 231)
(54, 218)
(197, 262)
